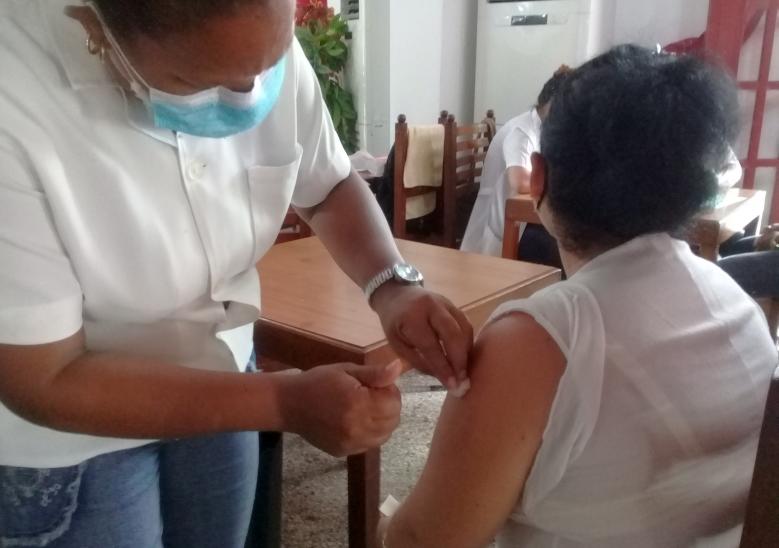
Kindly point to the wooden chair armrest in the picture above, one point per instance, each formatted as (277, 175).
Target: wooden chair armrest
(518, 210)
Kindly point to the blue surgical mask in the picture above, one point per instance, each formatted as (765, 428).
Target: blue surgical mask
(217, 112)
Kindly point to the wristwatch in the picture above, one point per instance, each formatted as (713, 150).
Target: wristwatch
(402, 273)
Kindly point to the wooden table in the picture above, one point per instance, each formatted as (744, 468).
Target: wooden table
(312, 314)
(739, 208)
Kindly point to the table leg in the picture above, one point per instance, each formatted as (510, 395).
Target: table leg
(364, 479)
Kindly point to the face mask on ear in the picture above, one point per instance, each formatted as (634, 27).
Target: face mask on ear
(217, 112)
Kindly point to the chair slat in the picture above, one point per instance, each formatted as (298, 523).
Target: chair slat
(466, 160)
(420, 190)
(477, 130)
(466, 145)
(464, 154)
(468, 175)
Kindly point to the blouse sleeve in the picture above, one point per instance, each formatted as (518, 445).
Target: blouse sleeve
(571, 316)
(40, 297)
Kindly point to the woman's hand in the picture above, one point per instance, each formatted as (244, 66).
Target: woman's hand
(426, 330)
(343, 409)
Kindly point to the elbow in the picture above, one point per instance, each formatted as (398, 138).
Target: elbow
(524, 186)
(31, 408)
(519, 180)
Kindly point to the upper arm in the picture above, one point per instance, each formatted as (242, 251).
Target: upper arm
(519, 180)
(485, 443)
(323, 162)
(40, 297)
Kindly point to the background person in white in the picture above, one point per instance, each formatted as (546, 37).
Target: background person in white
(507, 172)
(149, 152)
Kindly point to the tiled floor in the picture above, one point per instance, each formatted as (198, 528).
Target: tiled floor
(315, 483)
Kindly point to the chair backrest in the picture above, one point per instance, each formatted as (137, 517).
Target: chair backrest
(761, 522)
(293, 228)
(465, 149)
(492, 125)
(758, 274)
(401, 194)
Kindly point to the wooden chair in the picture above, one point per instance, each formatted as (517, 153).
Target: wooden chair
(761, 522)
(492, 125)
(401, 194)
(520, 209)
(465, 148)
(293, 228)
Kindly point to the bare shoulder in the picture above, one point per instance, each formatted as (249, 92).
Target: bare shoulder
(514, 343)
(515, 370)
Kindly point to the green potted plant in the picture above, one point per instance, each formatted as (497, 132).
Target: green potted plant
(322, 35)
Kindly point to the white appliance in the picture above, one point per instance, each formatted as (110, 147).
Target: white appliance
(521, 44)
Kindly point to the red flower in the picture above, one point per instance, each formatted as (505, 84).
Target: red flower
(313, 11)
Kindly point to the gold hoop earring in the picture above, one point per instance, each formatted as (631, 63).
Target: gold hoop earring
(95, 49)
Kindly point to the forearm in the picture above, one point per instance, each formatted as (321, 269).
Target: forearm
(121, 396)
(394, 533)
(352, 227)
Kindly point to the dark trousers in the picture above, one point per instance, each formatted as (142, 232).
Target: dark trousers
(539, 247)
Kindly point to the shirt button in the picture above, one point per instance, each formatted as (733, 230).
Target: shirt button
(196, 169)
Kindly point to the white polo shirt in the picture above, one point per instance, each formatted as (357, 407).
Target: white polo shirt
(146, 238)
(512, 146)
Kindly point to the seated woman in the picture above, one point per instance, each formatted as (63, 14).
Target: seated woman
(621, 407)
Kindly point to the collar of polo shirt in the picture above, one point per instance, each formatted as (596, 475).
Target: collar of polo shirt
(82, 69)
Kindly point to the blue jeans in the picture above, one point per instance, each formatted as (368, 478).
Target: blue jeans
(195, 493)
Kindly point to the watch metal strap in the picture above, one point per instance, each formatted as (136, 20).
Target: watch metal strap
(378, 280)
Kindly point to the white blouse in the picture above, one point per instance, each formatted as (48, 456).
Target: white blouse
(653, 432)
(145, 238)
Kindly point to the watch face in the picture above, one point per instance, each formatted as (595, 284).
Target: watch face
(408, 274)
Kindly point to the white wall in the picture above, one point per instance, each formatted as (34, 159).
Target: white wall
(658, 21)
(602, 21)
(415, 47)
(458, 59)
(432, 59)
(377, 119)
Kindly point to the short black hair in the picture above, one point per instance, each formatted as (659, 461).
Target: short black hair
(552, 85)
(131, 18)
(633, 142)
